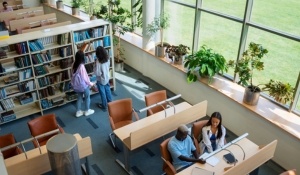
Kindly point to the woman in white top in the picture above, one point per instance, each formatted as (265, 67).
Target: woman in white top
(213, 134)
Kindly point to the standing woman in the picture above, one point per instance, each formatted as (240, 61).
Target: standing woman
(213, 134)
(101, 70)
(78, 67)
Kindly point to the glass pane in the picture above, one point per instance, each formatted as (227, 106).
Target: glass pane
(230, 7)
(181, 24)
(282, 61)
(282, 15)
(223, 40)
(297, 110)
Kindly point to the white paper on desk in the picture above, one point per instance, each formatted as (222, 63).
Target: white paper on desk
(213, 161)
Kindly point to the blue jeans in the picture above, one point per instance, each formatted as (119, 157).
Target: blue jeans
(87, 99)
(105, 93)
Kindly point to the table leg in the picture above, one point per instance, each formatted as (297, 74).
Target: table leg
(126, 164)
(87, 166)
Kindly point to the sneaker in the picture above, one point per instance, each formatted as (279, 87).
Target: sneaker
(101, 106)
(79, 113)
(89, 112)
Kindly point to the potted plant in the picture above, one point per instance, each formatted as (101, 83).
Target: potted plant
(159, 24)
(60, 4)
(118, 16)
(177, 53)
(205, 63)
(244, 67)
(75, 6)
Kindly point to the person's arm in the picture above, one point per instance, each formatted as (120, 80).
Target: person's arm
(206, 140)
(222, 139)
(84, 75)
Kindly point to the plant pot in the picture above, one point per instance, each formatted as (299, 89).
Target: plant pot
(160, 51)
(119, 66)
(93, 17)
(179, 59)
(60, 5)
(75, 11)
(251, 95)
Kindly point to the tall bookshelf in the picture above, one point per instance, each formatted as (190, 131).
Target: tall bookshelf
(35, 70)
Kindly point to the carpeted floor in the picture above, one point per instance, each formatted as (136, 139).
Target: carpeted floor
(145, 160)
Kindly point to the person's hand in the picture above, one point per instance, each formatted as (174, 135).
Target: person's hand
(201, 161)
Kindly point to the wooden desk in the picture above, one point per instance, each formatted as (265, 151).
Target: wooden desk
(39, 163)
(47, 26)
(150, 128)
(254, 157)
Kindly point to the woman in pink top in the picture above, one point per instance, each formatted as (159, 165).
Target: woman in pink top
(78, 66)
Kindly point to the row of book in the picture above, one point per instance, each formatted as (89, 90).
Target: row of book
(26, 86)
(25, 74)
(3, 93)
(22, 61)
(65, 86)
(63, 76)
(27, 98)
(7, 104)
(40, 70)
(48, 40)
(81, 35)
(65, 63)
(49, 91)
(98, 31)
(41, 57)
(88, 58)
(63, 38)
(45, 103)
(45, 81)
(2, 53)
(65, 51)
(21, 48)
(36, 45)
(8, 116)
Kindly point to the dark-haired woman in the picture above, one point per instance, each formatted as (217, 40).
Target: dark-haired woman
(213, 134)
(101, 70)
(78, 66)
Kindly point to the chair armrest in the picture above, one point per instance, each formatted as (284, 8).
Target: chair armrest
(135, 115)
(169, 169)
(112, 123)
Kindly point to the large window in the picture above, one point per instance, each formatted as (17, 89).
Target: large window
(181, 29)
(232, 7)
(221, 35)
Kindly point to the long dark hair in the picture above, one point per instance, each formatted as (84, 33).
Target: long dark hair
(101, 54)
(79, 59)
(218, 116)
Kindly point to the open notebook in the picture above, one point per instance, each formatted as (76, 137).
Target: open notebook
(200, 171)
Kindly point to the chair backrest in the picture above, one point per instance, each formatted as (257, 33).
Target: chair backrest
(197, 129)
(165, 154)
(42, 125)
(289, 172)
(153, 98)
(6, 140)
(120, 110)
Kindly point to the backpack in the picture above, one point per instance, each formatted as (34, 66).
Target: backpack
(78, 83)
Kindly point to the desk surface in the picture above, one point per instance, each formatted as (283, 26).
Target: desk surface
(249, 147)
(124, 132)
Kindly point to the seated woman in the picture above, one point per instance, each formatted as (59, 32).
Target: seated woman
(213, 134)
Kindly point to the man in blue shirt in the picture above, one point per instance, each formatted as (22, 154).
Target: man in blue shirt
(182, 149)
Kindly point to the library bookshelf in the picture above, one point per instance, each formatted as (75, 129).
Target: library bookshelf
(35, 67)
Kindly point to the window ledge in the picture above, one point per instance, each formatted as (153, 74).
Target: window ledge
(268, 110)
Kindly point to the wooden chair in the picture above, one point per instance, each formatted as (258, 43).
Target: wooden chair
(120, 114)
(289, 172)
(168, 167)
(6, 140)
(197, 132)
(154, 98)
(43, 125)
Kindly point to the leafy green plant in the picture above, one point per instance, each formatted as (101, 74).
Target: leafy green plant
(282, 92)
(250, 61)
(118, 16)
(179, 50)
(159, 24)
(206, 63)
(76, 3)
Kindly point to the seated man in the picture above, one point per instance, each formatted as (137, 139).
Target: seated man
(182, 149)
(6, 8)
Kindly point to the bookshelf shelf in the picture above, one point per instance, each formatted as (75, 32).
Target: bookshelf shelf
(42, 61)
